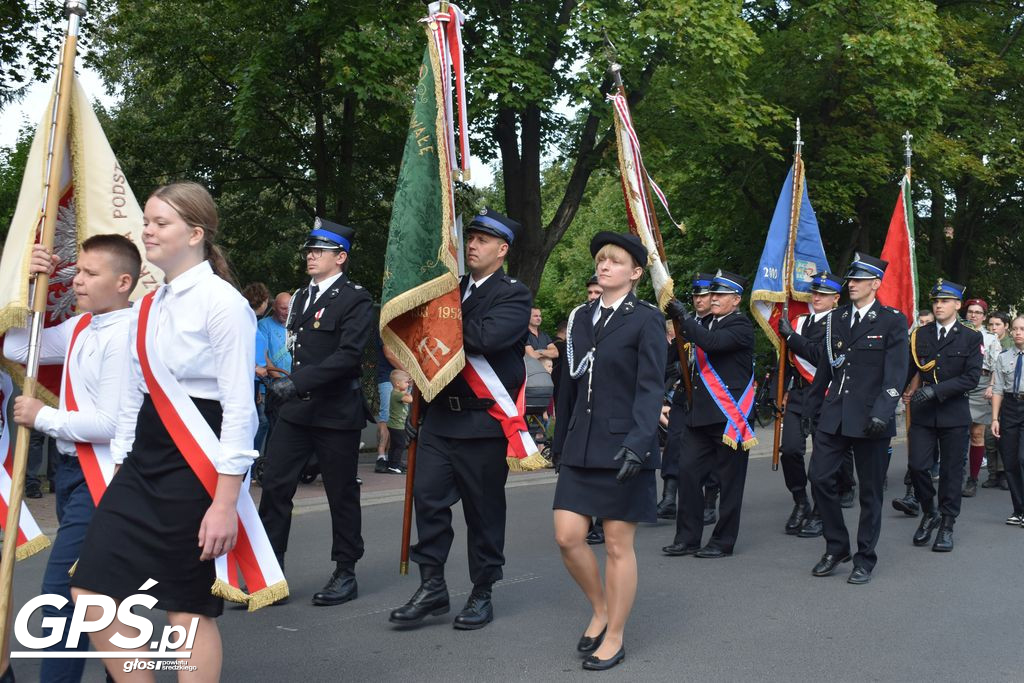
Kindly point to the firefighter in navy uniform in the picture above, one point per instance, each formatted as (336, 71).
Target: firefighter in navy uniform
(322, 409)
(856, 388)
(945, 365)
(701, 297)
(461, 451)
(805, 344)
(727, 338)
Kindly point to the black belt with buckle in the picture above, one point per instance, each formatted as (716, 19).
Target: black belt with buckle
(1019, 396)
(457, 404)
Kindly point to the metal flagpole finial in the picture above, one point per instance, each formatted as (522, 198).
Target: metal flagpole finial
(908, 151)
(78, 7)
(799, 143)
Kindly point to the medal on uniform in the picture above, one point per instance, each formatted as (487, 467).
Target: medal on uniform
(316, 318)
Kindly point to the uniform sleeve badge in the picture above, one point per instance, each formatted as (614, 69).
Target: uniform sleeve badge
(893, 393)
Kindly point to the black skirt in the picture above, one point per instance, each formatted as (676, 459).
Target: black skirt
(147, 524)
(595, 492)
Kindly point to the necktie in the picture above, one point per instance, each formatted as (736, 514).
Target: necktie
(605, 314)
(313, 289)
(942, 333)
(856, 319)
(1017, 371)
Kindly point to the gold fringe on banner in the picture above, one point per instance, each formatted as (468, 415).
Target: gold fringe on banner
(30, 548)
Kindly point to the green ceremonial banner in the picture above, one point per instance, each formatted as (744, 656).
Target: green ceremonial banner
(421, 310)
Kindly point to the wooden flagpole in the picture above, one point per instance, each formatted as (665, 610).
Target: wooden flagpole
(74, 10)
(908, 155)
(410, 474)
(787, 281)
(682, 347)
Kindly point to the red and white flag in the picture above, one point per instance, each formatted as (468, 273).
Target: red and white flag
(899, 286)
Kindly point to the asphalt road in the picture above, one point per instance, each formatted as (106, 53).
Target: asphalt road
(758, 615)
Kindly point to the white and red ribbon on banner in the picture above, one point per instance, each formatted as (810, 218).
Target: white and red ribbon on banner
(639, 212)
(523, 454)
(31, 538)
(445, 21)
(253, 554)
(806, 369)
(95, 460)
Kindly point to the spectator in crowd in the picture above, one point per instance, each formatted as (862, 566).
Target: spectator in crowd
(538, 344)
(981, 396)
(258, 296)
(398, 412)
(925, 316)
(556, 362)
(272, 338)
(1008, 416)
(386, 363)
(38, 447)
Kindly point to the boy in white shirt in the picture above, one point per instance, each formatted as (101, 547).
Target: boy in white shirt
(108, 269)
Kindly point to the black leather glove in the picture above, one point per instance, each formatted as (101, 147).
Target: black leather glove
(875, 428)
(631, 467)
(808, 425)
(925, 393)
(785, 328)
(676, 310)
(284, 389)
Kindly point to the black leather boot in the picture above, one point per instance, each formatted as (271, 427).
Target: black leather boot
(340, 588)
(970, 488)
(667, 505)
(478, 611)
(710, 506)
(929, 520)
(944, 536)
(431, 598)
(796, 518)
(908, 504)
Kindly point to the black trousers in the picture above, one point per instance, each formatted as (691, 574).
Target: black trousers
(871, 458)
(673, 442)
(473, 471)
(791, 455)
(1011, 448)
(337, 451)
(705, 456)
(949, 445)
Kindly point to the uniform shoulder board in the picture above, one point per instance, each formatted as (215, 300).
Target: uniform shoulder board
(648, 304)
(891, 309)
(1004, 351)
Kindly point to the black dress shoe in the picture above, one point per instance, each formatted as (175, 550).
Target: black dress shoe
(478, 611)
(812, 527)
(944, 536)
(680, 549)
(846, 499)
(711, 553)
(908, 504)
(667, 504)
(828, 563)
(923, 535)
(859, 576)
(796, 518)
(595, 537)
(340, 588)
(33, 490)
(431, 598)
(592, 663)
(588, 644)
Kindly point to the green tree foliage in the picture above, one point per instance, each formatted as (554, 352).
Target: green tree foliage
(285, 110)
(12, 168)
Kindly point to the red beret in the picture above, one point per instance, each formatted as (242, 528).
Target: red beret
(978, 302)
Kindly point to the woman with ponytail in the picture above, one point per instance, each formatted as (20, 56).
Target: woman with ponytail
(188, 382)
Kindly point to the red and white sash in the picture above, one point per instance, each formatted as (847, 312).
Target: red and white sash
(94, 458)
(802, 365)
(523, 454)
(253, 555)
(31, 538)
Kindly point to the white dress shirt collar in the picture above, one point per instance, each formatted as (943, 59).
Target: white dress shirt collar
(614, 306)
(863, 311)
(948, 326)
(324, 285)
(189, 278)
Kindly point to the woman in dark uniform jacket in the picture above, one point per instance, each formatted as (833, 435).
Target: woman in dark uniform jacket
(606, 439)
